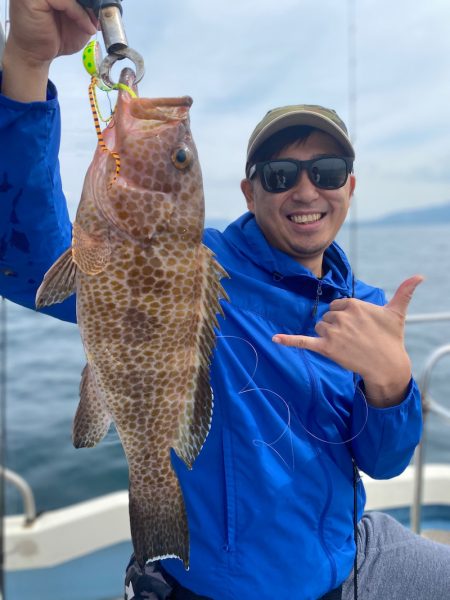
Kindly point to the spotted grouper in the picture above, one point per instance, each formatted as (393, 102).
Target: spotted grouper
(148, 294)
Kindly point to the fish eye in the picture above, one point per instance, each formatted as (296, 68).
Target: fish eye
(182, 157)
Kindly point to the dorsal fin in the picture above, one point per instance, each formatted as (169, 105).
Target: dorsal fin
(196, 419)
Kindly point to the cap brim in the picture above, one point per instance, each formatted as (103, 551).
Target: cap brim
(302, 117)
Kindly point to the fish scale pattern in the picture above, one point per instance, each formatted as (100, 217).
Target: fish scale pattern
(147, 297)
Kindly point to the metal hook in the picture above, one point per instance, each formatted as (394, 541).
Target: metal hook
(108, 62)
(110, 17)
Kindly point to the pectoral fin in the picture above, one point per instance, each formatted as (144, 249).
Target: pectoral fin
(92, 419)
(59, 281)
(91, 253)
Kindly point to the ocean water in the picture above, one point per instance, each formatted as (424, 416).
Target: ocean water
(45, 359)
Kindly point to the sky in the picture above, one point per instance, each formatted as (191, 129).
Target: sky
(240, 58)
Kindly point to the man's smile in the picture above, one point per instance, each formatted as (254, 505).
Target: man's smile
(306, 217)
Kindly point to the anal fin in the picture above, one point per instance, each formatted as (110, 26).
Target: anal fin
(92, 419)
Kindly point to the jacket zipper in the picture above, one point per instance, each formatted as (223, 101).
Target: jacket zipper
(229, 545)
(325, 548)
(317, 300)
(329, 488)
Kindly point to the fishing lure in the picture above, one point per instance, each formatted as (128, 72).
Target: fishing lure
(92, 58)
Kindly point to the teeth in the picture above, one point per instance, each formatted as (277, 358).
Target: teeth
(305, 218)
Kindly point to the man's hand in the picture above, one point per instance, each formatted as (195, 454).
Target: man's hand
(368, 340)
(40, 31)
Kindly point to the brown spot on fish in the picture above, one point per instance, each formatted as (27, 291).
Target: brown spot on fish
(147, 295)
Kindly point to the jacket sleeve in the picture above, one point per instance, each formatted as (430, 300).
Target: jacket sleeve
(385, 438)
(35, 227)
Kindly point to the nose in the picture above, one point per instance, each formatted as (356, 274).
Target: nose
(304, 190)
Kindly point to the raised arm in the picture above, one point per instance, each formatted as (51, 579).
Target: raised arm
(34, 222)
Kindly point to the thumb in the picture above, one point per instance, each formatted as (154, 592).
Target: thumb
(402, 297)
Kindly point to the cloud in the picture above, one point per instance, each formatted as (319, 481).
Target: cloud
(239, 59)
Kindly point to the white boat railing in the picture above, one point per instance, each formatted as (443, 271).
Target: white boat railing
(427, 317)
(429, 405)
(25, 491)
(2, 42)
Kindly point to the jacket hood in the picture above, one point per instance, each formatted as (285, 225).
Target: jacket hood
(245, 234)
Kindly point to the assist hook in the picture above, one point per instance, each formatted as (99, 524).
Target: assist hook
(109, 13)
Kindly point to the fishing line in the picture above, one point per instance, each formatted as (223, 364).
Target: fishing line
(289, 407)
(3, 388)
(246, 389)
(91, 60)
(3, 375)
(5, 28)
(287, 430)
(6, 19)
(101, 141)
(3, 32)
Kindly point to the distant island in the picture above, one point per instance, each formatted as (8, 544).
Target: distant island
(438, 214)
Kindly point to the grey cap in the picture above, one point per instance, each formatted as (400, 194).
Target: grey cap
(325, 119)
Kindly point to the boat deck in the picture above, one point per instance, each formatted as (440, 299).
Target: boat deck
(97, 542)
(437, 535)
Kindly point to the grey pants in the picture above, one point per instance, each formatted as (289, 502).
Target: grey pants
(396, 564)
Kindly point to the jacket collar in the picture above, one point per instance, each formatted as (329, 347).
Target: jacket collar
(248, 237)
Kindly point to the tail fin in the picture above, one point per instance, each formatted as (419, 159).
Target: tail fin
(158, 520)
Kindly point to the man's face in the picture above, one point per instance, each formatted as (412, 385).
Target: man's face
(279, 215)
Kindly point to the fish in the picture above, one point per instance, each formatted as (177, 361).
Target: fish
(148, 295)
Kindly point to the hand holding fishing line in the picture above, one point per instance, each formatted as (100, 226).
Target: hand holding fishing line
(45, 29)
(366, 339)
(40, 31)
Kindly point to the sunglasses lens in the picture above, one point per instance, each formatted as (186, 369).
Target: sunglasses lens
(279, 175)
(328, 173)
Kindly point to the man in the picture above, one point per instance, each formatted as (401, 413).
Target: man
(274, 497)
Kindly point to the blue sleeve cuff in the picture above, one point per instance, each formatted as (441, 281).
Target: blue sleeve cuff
(52, 97)
(385, 438)
(410, 393)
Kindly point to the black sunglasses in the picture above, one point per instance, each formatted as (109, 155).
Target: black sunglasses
(325, 172)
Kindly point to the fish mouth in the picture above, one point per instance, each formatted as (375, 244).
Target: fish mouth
(167, 103)
(161, 110)
(128, 78)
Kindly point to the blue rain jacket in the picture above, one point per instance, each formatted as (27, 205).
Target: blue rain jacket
(270, 497)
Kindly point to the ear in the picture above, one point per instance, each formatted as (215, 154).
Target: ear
(247, 190)
(352, 179)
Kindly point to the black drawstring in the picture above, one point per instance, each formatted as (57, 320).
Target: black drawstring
(356, 478)
(3, 377)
